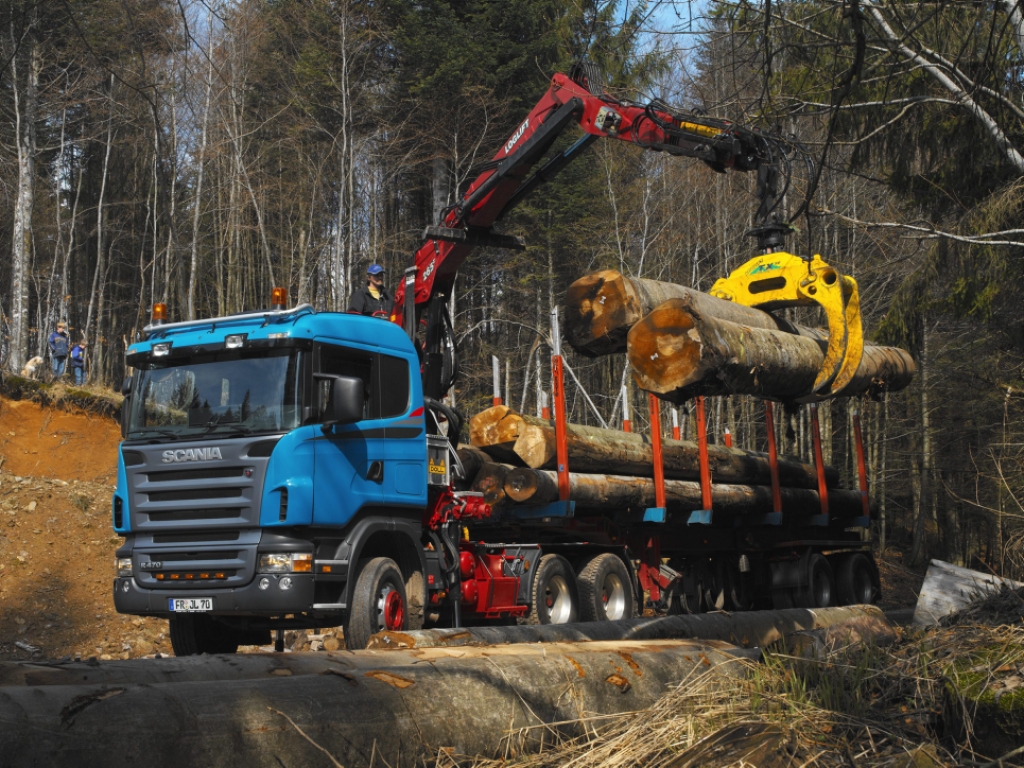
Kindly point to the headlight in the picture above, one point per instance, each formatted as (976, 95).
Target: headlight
(162, 350)
(234, 341)
(123, 566)
(286, 562)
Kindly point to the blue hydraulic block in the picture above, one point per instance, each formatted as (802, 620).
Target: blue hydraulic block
(700, 517)
(654, 515)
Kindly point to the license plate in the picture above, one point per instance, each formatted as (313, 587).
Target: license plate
(190, 604)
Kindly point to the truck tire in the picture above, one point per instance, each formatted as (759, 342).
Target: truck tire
(378, 602)
(554, 595)
(194, 634)
(855, 580)
(606, 592)
(820, 590)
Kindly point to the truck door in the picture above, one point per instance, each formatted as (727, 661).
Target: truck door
(349, 471)
(405, 451)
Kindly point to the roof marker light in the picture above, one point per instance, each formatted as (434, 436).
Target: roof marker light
(279, 298)
(162, 350)
(159, 314)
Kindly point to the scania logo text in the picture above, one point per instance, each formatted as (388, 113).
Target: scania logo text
(153, 565)
(192, 454)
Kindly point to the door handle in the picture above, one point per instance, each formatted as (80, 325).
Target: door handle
(375, 471)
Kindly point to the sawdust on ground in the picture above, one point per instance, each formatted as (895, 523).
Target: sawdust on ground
(57, 473)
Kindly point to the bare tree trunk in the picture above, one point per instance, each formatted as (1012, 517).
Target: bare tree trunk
(98, 273)
(190, 308)
(26, 102)
(923, 507)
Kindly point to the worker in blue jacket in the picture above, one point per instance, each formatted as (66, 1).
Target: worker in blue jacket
(59, 346)
(78, 362)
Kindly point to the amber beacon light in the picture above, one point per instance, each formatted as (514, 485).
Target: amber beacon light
(279, 298)
(159, 314)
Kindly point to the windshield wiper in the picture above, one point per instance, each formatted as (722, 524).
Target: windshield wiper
(211, 426)
(155, 430)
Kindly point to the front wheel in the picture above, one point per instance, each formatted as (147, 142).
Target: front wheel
(554, 595)
(606, 593)
(378, 602)
(193, 634)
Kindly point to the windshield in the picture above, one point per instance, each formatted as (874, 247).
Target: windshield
(225, 392)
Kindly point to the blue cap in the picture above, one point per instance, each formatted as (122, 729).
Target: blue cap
(374, 269)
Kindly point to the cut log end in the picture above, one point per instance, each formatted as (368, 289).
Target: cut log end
(600, 309)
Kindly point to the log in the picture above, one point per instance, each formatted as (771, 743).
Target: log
(490, 481)
(526, 440)
(361, 708)
(472, 460)
(601, 307)
(619, 492)
(678, 353)
(747, 629)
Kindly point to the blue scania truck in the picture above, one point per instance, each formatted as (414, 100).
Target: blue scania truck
(288, 468)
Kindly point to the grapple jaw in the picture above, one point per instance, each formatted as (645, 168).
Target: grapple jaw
(779, 280)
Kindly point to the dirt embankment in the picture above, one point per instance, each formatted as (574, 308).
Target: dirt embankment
(57, 473)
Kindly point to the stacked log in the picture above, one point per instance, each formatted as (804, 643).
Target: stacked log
(679, 351)
(521, 440)
(616, 492)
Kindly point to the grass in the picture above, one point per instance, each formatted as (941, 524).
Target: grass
(912, 705)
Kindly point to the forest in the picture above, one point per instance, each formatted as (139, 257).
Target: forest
(198, 153)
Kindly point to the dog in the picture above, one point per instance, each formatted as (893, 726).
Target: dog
(32, 367)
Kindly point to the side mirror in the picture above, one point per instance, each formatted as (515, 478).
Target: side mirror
(345, 401)
(126, 386)
(126, 409)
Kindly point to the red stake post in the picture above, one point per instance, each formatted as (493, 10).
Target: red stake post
(496, 375)
(862, 470)
(659, 464)
(558, 395)
(627, 425)
(773, 457)
(819, 462)
(728, 438)
(702, 444)
(676, 434)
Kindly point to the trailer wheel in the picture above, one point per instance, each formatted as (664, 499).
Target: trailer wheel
(194, 634)
(378, 602)
(555, 599)
(820, 590)
(855, 580)
(606, 592)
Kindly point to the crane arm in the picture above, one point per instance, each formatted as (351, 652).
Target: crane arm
(507, 179)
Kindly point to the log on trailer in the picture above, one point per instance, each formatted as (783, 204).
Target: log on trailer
(519, 439)
(619, 492)
(601, 307)
(389, 708)
(678, 353)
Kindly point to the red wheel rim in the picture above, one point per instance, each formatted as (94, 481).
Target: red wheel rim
(394, 611)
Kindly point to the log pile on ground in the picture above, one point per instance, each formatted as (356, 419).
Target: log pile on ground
(612, 470)
(683, 343)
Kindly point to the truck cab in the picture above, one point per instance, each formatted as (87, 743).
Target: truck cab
(268, 458)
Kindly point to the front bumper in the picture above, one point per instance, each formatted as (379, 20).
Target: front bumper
(247, 600)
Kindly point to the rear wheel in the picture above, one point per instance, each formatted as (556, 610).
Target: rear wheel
(378, 602)
(855, 581)
(605, 588)
(193, 634)
(555, 599)
(820, 591)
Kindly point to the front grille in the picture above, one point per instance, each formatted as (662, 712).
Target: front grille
(222, 493)
(176, 475)
(188, 557)
(188, 538)
(178, 515)
(195, 494)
